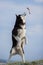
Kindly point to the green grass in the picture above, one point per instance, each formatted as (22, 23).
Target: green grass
(18, 63)
(40, 62)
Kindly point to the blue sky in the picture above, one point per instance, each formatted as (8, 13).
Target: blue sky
(34, 26)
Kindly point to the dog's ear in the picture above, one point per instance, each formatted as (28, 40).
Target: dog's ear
(16, 15)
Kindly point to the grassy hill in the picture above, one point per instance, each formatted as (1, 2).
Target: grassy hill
(40, 62)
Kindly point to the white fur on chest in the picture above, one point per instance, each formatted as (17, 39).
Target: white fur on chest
(21, 32)
(23, 26)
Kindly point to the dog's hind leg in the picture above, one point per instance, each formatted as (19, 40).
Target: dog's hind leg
(9, 58)
(12, 52)
(23, 59)
(22, 55)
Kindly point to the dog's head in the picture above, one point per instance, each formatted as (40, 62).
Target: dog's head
(21, 17)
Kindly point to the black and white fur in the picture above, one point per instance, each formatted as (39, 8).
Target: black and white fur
(18, 37)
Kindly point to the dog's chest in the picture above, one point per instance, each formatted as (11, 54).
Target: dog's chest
(21, 32)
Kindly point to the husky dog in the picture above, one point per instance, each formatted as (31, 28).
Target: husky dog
(19, 36)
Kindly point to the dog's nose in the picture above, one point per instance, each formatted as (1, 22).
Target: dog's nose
(24, 14)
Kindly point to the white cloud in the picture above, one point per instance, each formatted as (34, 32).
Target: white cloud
(36, 14)
(36, 10)
(37, 29)
(39, 1)
(9, 5)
